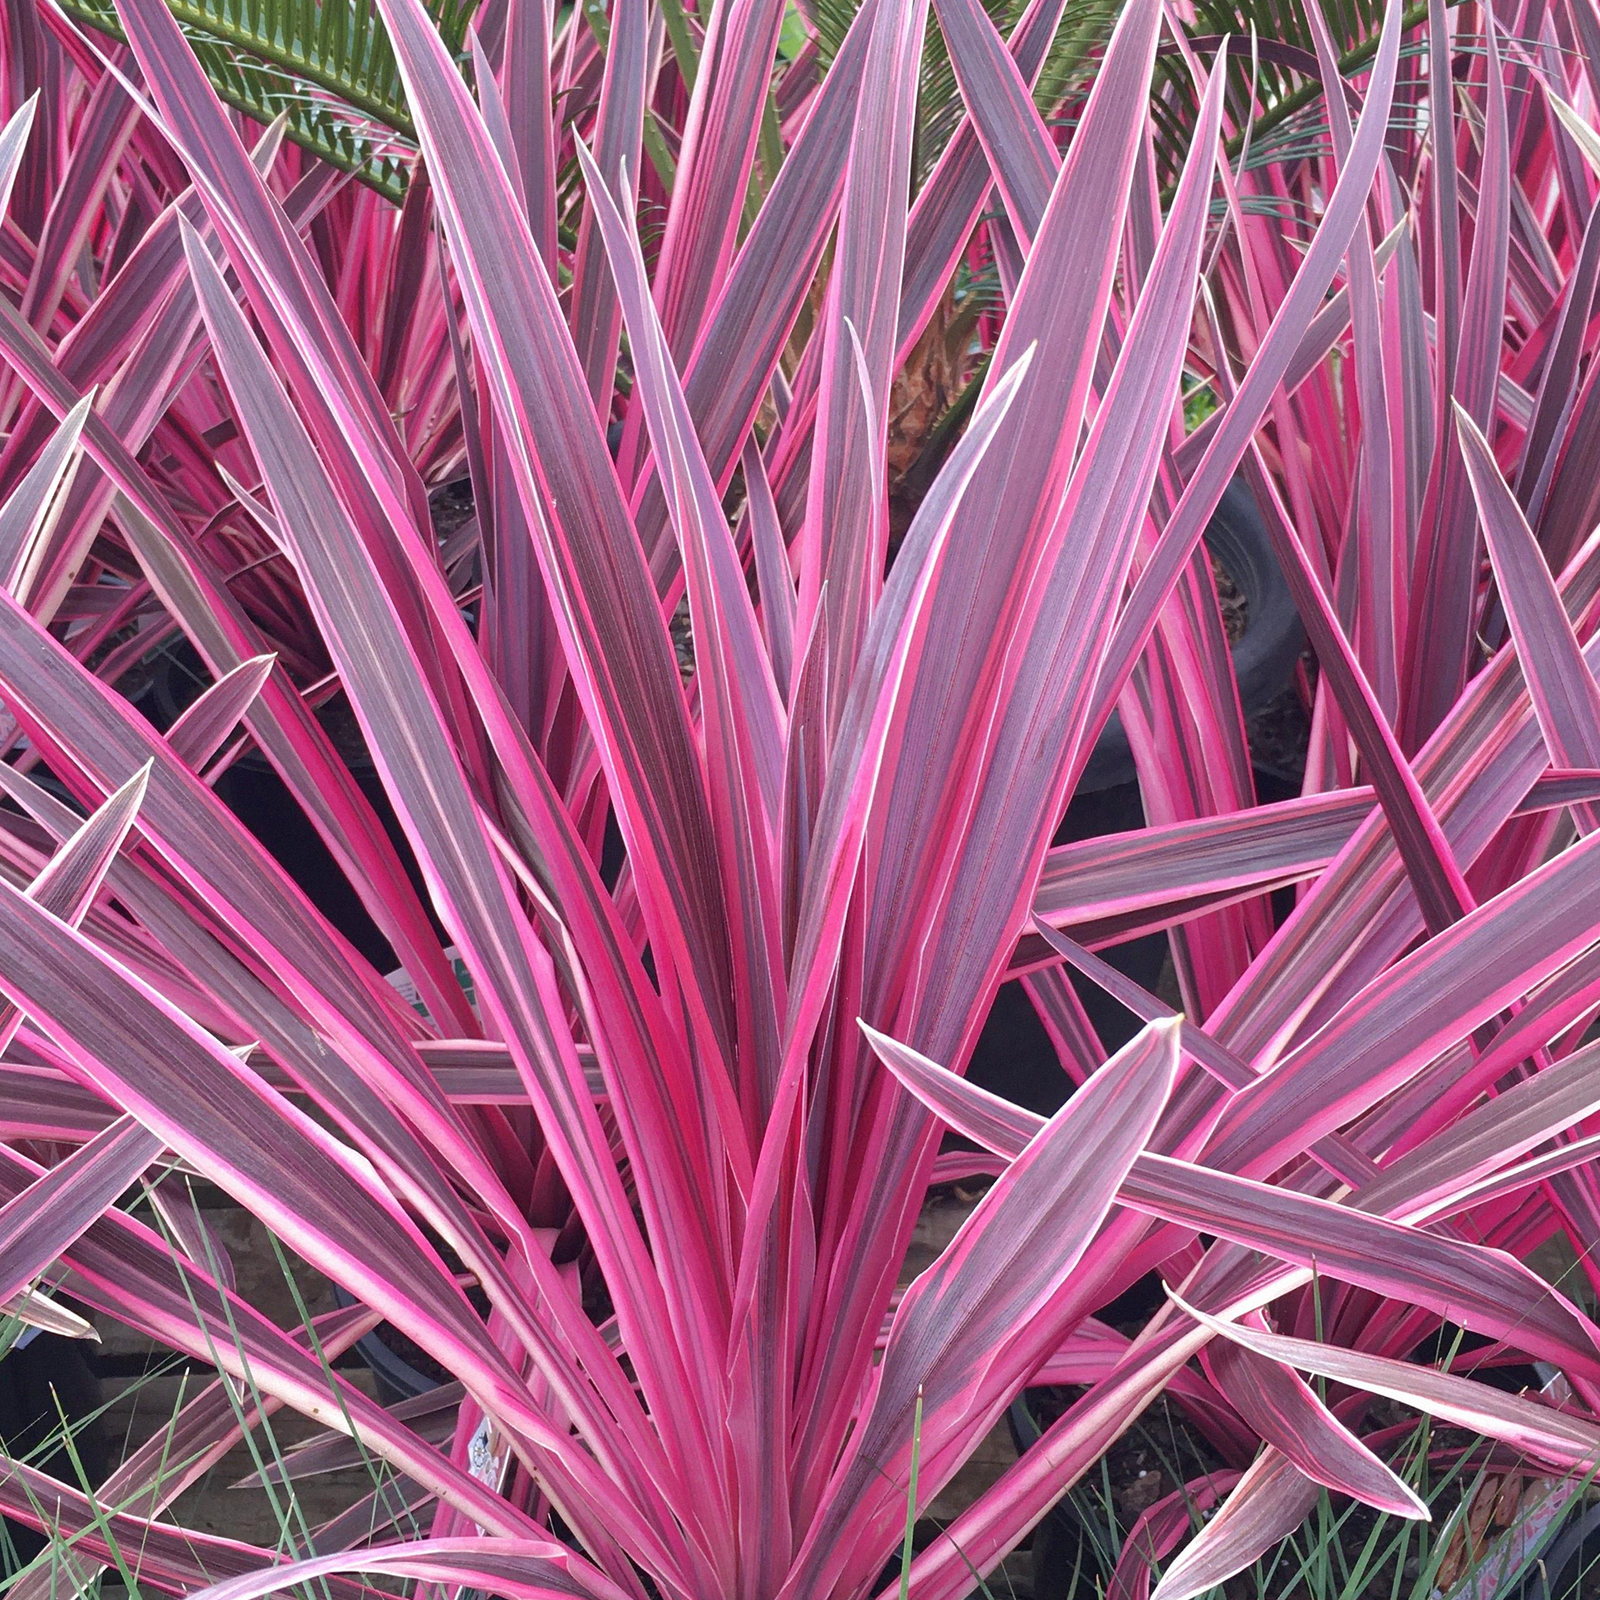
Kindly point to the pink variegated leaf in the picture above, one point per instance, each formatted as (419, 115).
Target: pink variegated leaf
(1121, 884)
(1014, 138)
(522, 1569)
(845, 533)
(125, 1032)
(1484, 1289)
(26, 516)
(1481, 1288)
(1061, 1010)
(1229, 440)
(1289, 1416)
(596, 318)
(953, 198)
(173, 1200)
(1441, 889)
(1565, 697)
(1334, 1151)
(838, 831)
(1083, 548)
(731, 85)
(841, 821)
(1072, 1444)
(398, 1503)
(203, 728)
(135, 341)
(1496, 1131)
(1555, 1162)
(1061, 312)
(1559, 378)
(514, 976)
(1011, 1255)
(159, 1554)
(671, 902)
(1383, 527)
(938, 230)
(129, 1272)
(224, 637)
(253, 226)
(34, 1310)
(492, 105)
(1562, 786)
(738, 349)
(1489, 749)
(772, 568)
(312, 343)
(182, 820)
(1443, 598)
(940, 1338)
(1266, 1506)
(1216, 1058)
(337, 1452)
(13, 141)
(243, 886)
(72, 877)
(531, 122)
(940, 885)
(43, 1221)
(741, 709)
(588, 550)
(1540, 1430)
(74, 874)
(727, 635)
(1420, 1005)
(107, 122)
(127, 1041)
(36, 1104)
(971, 1110)
(180, 1453)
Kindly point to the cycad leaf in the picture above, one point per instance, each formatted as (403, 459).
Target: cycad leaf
(326, 67)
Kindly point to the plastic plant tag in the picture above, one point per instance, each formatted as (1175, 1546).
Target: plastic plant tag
(401, 982)
(1542, 1505)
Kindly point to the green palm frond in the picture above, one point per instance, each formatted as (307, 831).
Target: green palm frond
(1085, 25)
(328, 68)
(325, 65)
(1281, 95)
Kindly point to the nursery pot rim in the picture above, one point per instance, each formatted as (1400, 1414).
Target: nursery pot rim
(388, 1366)
(1264, 656)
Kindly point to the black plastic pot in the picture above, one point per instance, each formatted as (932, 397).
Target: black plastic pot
(1570, 1567)
(1264, 657)
(395, 1377)
(1014, 1057)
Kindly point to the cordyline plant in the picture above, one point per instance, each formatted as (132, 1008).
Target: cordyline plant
(726, 1067)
